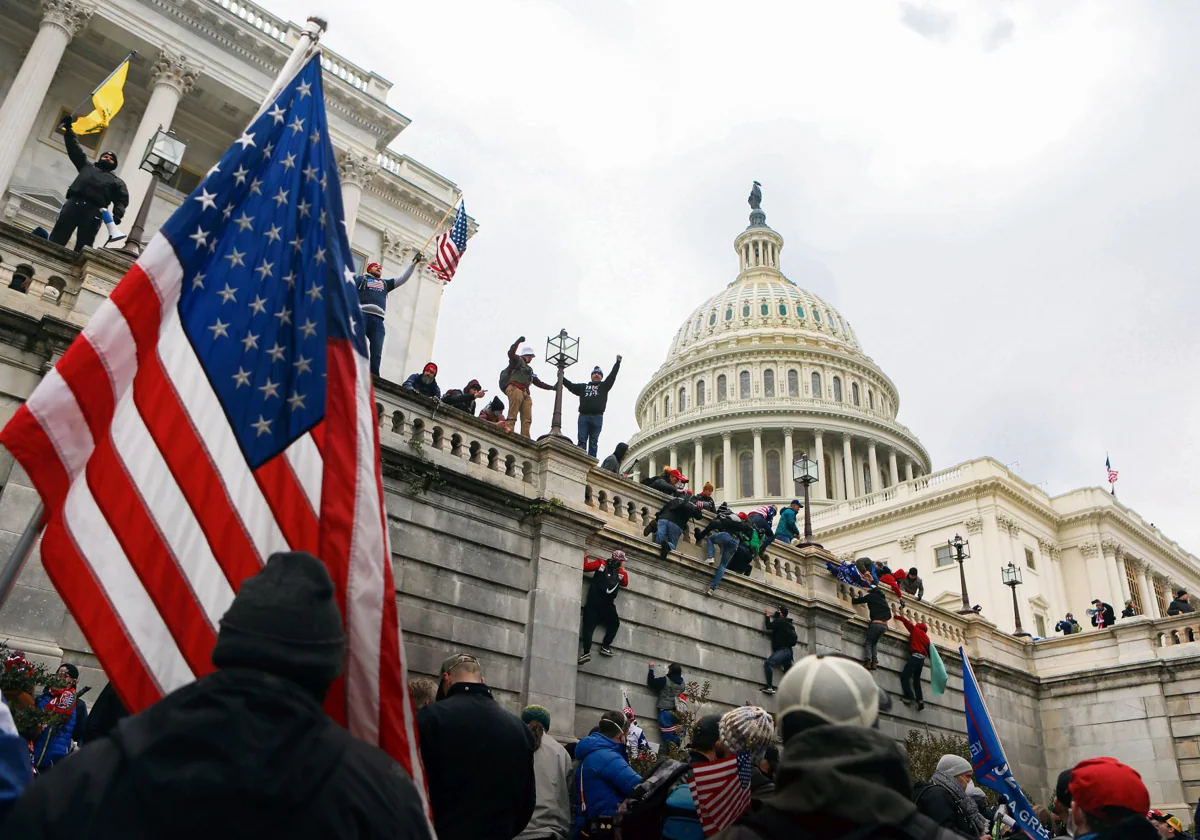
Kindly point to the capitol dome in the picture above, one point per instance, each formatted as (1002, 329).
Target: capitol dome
(761, 372)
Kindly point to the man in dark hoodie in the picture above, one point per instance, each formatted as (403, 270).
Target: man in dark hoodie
(783, 639)
(95, 187)
(593, 399)
(879, 614)
(668, 688)
(608, 576)
(838, 776)
(1180, 604)
(245, 752)
(613, 462)
(464, 400)
(672, 519)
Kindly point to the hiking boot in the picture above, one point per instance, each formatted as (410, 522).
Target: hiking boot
(908, 701)
(650, 529)
(874, 664)
(920, 705)
(585, 659)
(664, 549)
(696, 533)
(769, 690)
(605, 650)
(709, 591)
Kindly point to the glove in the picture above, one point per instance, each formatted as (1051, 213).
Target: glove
(66, 122)
(118, 215)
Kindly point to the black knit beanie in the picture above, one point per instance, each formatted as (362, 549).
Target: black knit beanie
(284, 621)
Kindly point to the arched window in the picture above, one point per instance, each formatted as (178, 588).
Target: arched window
(783, 309)
(656, 412)
(744, 385)
(721, 390)
(712, 319)
(697, 328)
(699, 393)
(817, 315)
(667, 406)
(870, 399)
(799, 311)
(837, 388)
(768, 383)
(729, 314)
(854, 393)
(793, 384)
(682, 399)
(745, 310)
(718, 472)
(816, 385)
(745, 475)
(774, 483)
(867, 488)
(765, 308)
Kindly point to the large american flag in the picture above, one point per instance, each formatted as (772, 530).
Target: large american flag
(721, 791)
(216, 409)
(451, 245)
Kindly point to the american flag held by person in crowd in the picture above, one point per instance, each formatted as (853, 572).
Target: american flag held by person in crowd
(721, 791)
(1112, 474)
(451, 246)
(218, 409)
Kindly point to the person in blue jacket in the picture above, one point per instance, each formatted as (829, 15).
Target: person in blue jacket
(787, 529)
(61, 698)
(373, 290)
(15, 770)
(425, 382)
(603, 777)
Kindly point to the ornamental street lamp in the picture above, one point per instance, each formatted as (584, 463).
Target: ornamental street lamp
(1011, 576)
(804, 470)
(562, 351)
(163, 155)
(961, 550)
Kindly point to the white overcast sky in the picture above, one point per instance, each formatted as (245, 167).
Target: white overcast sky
(1000, 196)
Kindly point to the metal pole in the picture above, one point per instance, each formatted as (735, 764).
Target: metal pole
(556, 420)
(808, 531)
(11, 569)
(1017, 612)
(962, 579)
(133, 242)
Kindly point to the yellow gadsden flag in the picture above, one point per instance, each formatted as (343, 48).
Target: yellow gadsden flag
(107, 99)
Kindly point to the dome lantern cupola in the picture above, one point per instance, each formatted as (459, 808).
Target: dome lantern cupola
(758, 246)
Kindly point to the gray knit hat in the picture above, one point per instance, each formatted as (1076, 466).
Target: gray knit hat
(954, 765)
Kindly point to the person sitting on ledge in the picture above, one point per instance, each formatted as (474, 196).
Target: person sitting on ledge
(425, 382)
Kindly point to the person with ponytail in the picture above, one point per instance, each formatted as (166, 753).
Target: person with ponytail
(551, 818)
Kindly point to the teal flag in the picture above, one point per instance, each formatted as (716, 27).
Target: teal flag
(937, 672)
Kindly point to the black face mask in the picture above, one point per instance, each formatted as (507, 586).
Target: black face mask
(105, 165)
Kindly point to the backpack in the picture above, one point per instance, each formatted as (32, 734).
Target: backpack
(641, 815)
(505, 376)
(789, 636)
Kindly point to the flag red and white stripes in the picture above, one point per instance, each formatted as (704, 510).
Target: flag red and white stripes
(451, 246)
(721, 791)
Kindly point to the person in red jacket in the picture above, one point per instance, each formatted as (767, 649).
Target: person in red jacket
(918, 652)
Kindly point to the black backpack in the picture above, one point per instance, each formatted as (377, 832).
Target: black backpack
(641, 815)
(789, 637)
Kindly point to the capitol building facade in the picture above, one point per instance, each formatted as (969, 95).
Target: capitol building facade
(764, 371)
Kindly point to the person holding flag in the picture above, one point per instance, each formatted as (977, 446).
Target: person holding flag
(95, 187)
(373, 290)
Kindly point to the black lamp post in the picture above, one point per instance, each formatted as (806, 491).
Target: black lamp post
(562, 351)
(804, 470)
(962, 551)
(163, 155)
(1011, 576)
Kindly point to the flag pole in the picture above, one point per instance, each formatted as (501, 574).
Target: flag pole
(120, 64)
(11, 569)
(309, 36)
(439, 224)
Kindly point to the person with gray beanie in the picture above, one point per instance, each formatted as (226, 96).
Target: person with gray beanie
(944, 797)
(838, 776)
(244, 752)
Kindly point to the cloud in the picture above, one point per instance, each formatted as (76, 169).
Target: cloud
(1000, 34)
(928, 20)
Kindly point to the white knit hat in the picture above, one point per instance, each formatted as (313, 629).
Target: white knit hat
(830, 688)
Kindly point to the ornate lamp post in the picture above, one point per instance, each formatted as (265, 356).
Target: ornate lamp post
(962, 551)
(562, 351)
(805, 471)
(1011, 576)
(163, 155)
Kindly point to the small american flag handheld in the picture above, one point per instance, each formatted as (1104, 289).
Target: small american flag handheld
(721, 791)
(451, 246)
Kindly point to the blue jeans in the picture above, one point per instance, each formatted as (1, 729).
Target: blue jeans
(668, 532)
(782, 658)
(589, 432)
(374, 328)
(729, 546)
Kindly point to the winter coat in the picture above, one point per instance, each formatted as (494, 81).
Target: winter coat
(783, 632)
(479, 765)
(877, 605)
(373, 291)
(55, 741)
(680, 510)
(603, 778)
(659, 483)
(1178, 607)
(607, 580)
(1067, 627)
(1106, 612)
(552, 776)
(668, 689)
(1128, 612)
(93, 185)
(461, 400)
(914, 585)
(918, 636)
(786, 529)
(106, 712)
(521, 374)
(613, 462)
(729, 525)
(427, 389)
(15, 771)
(833, 781)
(236, 754)
(593, 396)
(947, 804)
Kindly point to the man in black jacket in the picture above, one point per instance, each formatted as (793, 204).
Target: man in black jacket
(478, 758)
(880, 614)
(245, 752)
(593, 399)
(728, 531)
(672, 519)
(613, 462)
(608, 576)
(1103, 615)
(783, 639)
(1180, 604)
(94, 188)
(464, 400)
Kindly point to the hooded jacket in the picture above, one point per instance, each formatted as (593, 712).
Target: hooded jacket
(783, 632)
(835, 780)
(603, 778)
(877, 605)
(607, 579)
(918, 636)
(462, 400)
(613, 462)
(94, 185)
(680, 510)
(659, 483)
(787, 528)
(236, 754)
(1105, 612)
(1178, 606)
(593, 396)
(428, 389)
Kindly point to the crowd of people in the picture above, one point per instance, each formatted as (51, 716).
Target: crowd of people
(1103, 615)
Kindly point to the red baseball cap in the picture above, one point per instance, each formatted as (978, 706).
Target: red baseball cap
(678, 476)
(1097, 783)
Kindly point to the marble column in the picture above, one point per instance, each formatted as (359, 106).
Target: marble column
(727, 465)
(848, 466)
(1148, 601)
(785, 478)
(1122, 579)
(759, 478)
(697, 475)
(170, 78)
(876, 485)
(1109, 551)
(908, 471)
(61, 21)
(893, 470)
(355, 171)
(674, 457)
(823, 489)
(652, 470)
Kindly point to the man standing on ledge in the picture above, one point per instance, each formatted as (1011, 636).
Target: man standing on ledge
(593, 399)
(94, 188)
(372, 297)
